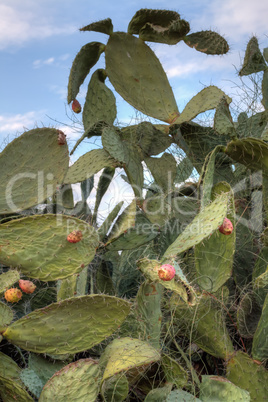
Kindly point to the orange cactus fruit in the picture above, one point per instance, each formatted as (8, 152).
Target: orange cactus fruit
(13, 295)
(166, 272)
(76, 106)
(75, 236)
(227, 227)
(27, 286)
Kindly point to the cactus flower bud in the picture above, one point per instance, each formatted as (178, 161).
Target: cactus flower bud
(76, 106)
(75, 236)
(227, 227)
(27, 286)
(13, 295)
(166, 272)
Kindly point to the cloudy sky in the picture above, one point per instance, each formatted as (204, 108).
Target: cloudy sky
(39, 40)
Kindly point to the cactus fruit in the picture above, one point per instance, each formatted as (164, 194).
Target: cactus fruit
(76, 107)
(61, 137)
(27, 286)
(166, 272)
(75, 236)
(13, 295)
(227, 227)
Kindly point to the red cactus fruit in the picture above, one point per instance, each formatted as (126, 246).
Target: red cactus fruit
(61, 137)
(76, 106)
(227, 227)
(166, 272)
(13, 295)
(27, 286)
(75, 236)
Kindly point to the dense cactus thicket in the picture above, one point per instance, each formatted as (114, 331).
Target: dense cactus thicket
(102, 315)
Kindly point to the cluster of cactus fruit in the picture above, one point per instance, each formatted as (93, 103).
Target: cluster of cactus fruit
(167, 300)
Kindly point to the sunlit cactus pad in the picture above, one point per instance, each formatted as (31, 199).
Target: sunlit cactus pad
(69, 326)
(31, 167)
(37, 245)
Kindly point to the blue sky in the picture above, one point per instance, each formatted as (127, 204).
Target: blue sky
(40, 38)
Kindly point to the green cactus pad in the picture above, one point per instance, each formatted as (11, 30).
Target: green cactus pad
(249, 375)
(104, 228)
(251, 152)
(115, 388)
(100, 101)
(174, 372)
(7, 279)
(204, 224)
(11, 391)
(134, 170)
(39, 371)
(180, 395)
(9, 368)
(103, 26)
(214, 255)
(66, 288)
(69, 326)
(103, 184)
(260, 340)
(206, 99)
(153, 139)
(32, 382)
(248, 315)
(56, 258)
(161, 26)
(208, 42)
(206, 179)
(126, 353)
(163, 169)
(125, 221)
(264, 87)
(223, 122)
(113, 144)
(178, 284)
(148, 312)
(138, 76)
(184, 170)
(83, 62)
(142, 233)
(253, 61)
(158, 394)
(204, 324)
(6, 316)
(76, 381)
(89, 164)
(35, 177)
(216, 388)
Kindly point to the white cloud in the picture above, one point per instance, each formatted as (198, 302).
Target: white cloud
(236, 19)
(24, 21)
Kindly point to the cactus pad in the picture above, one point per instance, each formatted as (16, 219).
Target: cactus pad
(100, 101)
(69, 326)
(76, 381)
(206, 99)
(57, 258)
(215, 388)
(253, 61)
(126, 353)
(138, 76)
(83, 62)
(7, 279)
(89, 164)
(6, 316)
(35, 177)
(204, 224)
(208, 42)
(103, 26)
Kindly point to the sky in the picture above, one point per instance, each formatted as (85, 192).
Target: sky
(40, 38)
